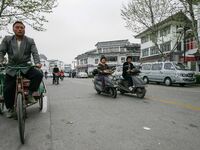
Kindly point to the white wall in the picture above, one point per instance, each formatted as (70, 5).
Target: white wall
(170, 37)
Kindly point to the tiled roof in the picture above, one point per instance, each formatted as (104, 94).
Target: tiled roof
(112, 43)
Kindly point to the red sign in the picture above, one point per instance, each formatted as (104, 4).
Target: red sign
(189, 58)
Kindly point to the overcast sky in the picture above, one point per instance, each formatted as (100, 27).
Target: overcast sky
(75, 26)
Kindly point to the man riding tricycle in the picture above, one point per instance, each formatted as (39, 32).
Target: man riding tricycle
(23, 84)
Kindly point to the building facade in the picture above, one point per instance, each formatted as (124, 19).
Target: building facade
(167, 34)
(115, 52)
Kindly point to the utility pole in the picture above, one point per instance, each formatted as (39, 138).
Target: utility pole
(184, 45)
(198, 22)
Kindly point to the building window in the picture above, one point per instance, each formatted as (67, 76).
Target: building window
(122, 49)
(144, 39)
(153, 50)
(111, 49)
(123, 59)
(191, 44)
(85, 61)
(96, 61)
(165, 47)
(145, 52)
(99, 50)
(165, 31)
(81, 62)
(112, 58)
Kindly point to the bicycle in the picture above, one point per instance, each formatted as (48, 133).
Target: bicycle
(56, 79)
(21, 99)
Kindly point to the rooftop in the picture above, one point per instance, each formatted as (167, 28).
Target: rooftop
(115, 43)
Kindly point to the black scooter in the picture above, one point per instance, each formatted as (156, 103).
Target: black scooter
(110, 86)
(138, 87)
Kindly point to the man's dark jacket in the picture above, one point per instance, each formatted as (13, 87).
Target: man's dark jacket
(55, 70)
(127, 66)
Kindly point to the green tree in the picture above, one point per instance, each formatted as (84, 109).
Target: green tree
(190, 6)
(32, 12)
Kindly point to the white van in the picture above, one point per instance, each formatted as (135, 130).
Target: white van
(167, 72)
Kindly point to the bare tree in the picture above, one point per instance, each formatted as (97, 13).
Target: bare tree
(190, 6)
(143, 15)
(30, 11)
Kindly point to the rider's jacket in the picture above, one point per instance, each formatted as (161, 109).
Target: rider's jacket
(101, 67)
(55, 70)
(127, 66)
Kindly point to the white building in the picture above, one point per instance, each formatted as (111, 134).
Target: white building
(44, 62)
(115, 52)
(167, 34)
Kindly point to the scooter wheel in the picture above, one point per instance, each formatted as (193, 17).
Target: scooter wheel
(140, 92)
(113, 92)
(122, 92)
(98, 92)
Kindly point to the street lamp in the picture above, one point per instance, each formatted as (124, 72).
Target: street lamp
(185, 31)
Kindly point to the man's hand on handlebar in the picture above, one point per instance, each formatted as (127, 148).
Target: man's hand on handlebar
(131, 71)
(38, 65)
(108, 71)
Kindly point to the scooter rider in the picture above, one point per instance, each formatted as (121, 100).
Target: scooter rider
(127, 69)
(55, 70)
(102, 67)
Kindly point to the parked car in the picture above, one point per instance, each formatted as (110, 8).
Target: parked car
(167, 72)
(82, 75)
(66, 74)
(50, 75)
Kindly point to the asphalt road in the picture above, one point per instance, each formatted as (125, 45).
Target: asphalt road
(77, 118)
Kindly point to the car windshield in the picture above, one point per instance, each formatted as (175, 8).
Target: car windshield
(180, 66)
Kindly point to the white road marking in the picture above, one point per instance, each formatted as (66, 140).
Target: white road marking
(44, 109)
(147, 128)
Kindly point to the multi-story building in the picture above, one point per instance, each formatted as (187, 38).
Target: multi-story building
(115, 52)
(168, 31)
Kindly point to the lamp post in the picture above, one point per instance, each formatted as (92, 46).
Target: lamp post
(185, 31)
(184, 44)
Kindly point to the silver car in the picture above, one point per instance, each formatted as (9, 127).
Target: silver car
(82, 75)
(167, 72)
